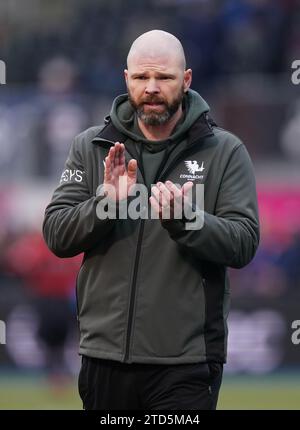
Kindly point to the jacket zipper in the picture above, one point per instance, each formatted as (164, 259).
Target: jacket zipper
(135, 272)
(133, 290)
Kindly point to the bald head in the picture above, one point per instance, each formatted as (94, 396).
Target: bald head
(157, 44)
(156, 78)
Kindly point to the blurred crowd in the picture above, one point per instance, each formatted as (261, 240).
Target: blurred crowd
(220, 36)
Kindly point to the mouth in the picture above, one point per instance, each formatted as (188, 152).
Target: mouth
(154, 105)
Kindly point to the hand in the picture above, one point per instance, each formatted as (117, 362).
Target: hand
(168, 200)
(117, 180)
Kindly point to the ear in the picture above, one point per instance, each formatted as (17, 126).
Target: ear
(187, 79)
(126, 76)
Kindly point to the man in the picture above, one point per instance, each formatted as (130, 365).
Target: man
(152, 294)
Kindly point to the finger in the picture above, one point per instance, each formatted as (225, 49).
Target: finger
(187, 187)
(166, 201)
(154, 204)
(107, 170)
(122, 149)
(118, 161)
(174, 189)
(166, 196)
(112, 159)
(177, 202)
(187, 198)
(122, 164)
(111, 156)
(131, 169)
(117, 154)
(155, 193)
(186, 191)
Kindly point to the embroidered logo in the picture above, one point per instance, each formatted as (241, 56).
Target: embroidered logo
(193, 167)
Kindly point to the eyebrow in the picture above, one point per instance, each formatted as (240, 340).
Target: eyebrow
(159, 74)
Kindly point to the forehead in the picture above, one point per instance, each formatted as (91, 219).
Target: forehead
(144, 62)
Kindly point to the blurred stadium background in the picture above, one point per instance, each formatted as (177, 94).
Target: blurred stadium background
(65, 62)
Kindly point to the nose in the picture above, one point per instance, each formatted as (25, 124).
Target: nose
(152, 87)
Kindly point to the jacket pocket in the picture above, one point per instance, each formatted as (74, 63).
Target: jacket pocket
(215, 370)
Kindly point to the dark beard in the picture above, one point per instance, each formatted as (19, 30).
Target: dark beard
(154, 118)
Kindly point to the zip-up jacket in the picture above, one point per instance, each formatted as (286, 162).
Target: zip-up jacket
(151, 291)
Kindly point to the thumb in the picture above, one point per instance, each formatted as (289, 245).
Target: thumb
(131, 168)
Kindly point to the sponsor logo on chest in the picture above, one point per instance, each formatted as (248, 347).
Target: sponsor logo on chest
(194, 170)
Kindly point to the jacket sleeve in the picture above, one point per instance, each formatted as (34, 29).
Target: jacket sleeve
(230, 236)
(71, 225)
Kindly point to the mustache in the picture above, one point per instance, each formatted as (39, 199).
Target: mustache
(153, 100)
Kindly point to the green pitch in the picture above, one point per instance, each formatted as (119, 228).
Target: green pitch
(264, 392)
(260, 392)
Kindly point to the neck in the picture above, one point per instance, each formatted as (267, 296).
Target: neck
(160, 132)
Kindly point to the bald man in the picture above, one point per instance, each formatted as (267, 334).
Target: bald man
(153, 290)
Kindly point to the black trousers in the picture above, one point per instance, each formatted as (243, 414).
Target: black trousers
(111, 385)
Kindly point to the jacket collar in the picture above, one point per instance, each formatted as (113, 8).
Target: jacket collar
(202, 127)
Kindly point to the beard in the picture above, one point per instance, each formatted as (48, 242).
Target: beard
(156, 118)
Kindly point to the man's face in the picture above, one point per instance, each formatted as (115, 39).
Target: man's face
(156, 88)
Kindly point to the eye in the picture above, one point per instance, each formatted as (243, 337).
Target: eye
(140, 78)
